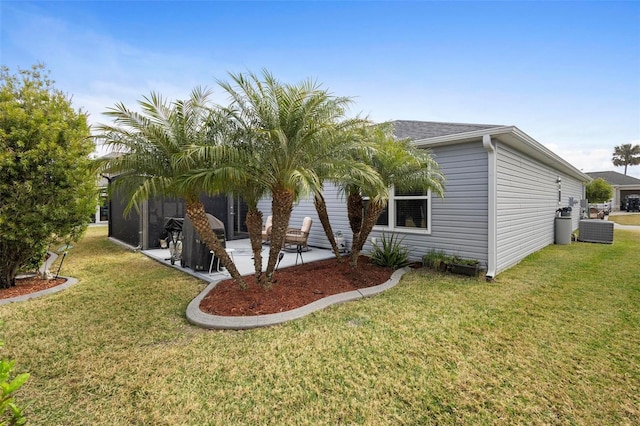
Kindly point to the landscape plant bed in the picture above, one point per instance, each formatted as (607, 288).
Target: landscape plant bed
(441, 262)
(29, 285)
(294, 287)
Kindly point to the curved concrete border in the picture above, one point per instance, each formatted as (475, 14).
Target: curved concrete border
(70, 281)
(197, 317)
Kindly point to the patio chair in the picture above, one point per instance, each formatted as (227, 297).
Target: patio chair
(266, 231)
(298, 237)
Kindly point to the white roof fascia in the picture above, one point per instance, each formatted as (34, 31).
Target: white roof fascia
(513, 137)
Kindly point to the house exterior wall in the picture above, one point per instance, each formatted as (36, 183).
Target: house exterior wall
(458, 222)
(526, 204)
(527, 200)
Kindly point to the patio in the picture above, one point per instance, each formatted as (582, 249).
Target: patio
(243, 258)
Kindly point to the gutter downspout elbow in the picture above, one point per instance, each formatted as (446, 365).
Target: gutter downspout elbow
(492, 225)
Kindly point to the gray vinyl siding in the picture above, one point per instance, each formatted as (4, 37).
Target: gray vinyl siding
(527, 200)
(336, 208)
(526, 204)
(459, 221)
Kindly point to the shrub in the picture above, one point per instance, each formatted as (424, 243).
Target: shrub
(47, 180)
(391, 253)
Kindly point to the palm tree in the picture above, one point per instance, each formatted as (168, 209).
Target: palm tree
(154, 161)
(400, 165)
(237, 176)
(344, 168)
(289, 129)
(626, 155)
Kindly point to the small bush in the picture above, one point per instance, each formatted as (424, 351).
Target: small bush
(391, 254)
(436, 260)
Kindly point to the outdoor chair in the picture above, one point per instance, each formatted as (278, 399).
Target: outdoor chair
(266, 231)
(298, 237)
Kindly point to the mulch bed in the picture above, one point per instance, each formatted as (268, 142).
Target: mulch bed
(29, 285)
(294, 287)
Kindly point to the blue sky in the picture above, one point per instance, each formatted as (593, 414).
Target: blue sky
(566, 73)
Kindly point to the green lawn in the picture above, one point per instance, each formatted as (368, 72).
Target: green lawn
(555, 340)
(629, 219)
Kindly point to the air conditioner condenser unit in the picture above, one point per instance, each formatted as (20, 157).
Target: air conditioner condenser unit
(595, 231)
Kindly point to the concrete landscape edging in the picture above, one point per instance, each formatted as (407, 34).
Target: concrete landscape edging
(70, 281)
(217, 322)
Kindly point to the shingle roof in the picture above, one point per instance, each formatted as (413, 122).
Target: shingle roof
(418, 130)
(615, 178)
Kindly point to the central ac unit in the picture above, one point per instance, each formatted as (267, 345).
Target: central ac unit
(596, 231)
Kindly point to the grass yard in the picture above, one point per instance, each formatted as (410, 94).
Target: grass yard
(627, 219)
(553, 341)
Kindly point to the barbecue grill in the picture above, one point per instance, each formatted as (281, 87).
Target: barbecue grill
(196, 255)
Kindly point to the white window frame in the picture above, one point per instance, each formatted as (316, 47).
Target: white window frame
(391, 210)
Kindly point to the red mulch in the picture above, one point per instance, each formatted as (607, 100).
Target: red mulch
(29, 285)
(294, 287)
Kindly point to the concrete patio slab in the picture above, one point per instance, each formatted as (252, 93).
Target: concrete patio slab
(243, 258)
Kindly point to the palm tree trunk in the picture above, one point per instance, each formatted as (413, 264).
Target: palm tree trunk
(198, 217)
(281, 206)
(355, 206)
(371, 217)
(254, 226)
(323, 215)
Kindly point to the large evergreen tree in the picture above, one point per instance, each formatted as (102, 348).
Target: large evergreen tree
(47, 180)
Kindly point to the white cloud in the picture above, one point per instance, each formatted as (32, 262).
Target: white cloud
(592, 159)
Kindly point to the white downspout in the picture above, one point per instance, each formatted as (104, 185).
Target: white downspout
(492, 252)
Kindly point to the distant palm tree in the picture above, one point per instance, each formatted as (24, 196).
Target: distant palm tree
(154, 159)
(626, 155)
(289, 129)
